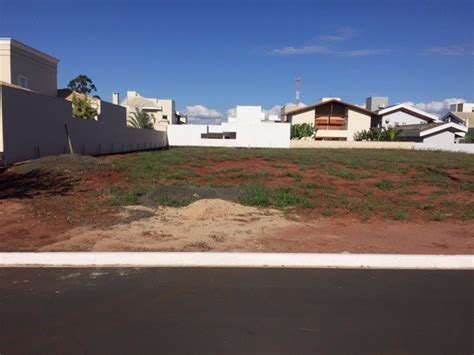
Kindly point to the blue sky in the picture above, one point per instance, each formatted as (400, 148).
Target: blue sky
(218, 54)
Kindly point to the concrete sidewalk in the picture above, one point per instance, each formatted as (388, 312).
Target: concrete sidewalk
(270, 260)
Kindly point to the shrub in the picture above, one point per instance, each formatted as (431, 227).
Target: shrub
(82, 108)
(302, 130)
(469, 139)
(377, 135)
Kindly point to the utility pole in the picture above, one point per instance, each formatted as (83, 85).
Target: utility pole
(298, 89)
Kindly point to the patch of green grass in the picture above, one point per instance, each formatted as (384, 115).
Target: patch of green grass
(437, 178)
(469, 214)
(401, 215)
(312, 185)
(255, 195)
(438, 216)
(232, 171)
(286, 197)
(345, 174)
(295, 176)
(124, 197)
(427, 207)
(173, 201)
(181, 174)
(385, 185)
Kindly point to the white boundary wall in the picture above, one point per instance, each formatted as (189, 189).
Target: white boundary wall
(462, 148)
(32, 126)
(249, 125)
(251, 135)
(265, 260)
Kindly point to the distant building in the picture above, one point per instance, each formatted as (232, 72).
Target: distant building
(27, 67)
(463, 114)
(162, 111)
(462, 107)
(334, 119)
(401, 115)
(432, 133)
(375, 103)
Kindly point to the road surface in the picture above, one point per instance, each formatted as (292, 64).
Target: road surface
(235, 311)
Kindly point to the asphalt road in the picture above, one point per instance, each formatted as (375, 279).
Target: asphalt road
(235, 311)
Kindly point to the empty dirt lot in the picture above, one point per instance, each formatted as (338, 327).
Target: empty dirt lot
(198, 199)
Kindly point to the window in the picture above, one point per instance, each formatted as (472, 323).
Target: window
(23, 81)
(165, 117)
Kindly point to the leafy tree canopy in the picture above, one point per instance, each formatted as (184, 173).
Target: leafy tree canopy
(82, 84)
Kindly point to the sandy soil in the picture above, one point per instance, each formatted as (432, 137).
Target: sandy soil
(217, 225)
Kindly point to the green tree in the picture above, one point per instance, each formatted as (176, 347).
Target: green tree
(140, 119)
(82, 84)
(82, 108)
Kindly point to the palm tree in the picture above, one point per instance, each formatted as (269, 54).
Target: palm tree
(140, 119)
(392, 134)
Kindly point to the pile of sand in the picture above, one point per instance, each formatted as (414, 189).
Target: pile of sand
(203, 225)
(215, 208)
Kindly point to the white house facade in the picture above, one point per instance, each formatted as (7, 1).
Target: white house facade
(401, 115)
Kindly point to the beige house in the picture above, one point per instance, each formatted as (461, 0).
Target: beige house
(463, 114)
(27, 67)
(162, 111)
(334, 119)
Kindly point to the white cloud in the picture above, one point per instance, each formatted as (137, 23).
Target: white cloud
(363, 52)
(275, 110)
(312, 49)
(437, 108)
(454, 50)
(341, 34)
(200, 111)
(232, 112)
(317, 49)
(200, 114)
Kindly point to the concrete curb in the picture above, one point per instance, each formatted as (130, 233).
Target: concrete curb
(245, 260)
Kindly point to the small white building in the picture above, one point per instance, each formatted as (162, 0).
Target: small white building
(463, 114)
(401, 115)
(249, 128)
(439, 133)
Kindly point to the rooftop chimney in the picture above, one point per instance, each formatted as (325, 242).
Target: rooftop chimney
(116, 98)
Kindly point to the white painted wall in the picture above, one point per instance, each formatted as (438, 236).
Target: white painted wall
(251, 132)
(400, 118)
(33, 126)
(440, 138)
(461, 148)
